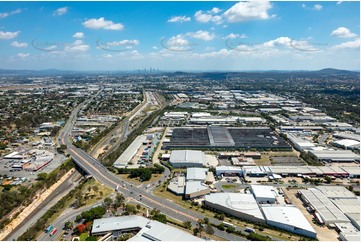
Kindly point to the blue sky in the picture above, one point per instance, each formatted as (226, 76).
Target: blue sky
(256, 35)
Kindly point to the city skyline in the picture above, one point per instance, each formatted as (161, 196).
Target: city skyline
(236, 36)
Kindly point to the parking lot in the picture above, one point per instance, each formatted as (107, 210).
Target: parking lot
(5, 168)
(287, 161)
(229, 184)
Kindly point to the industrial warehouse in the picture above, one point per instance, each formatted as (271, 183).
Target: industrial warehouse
(289, 171)
(247, 207)
(145, 229)
(222, 137)
(236, 204)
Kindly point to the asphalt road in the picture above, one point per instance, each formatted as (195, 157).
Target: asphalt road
(99, 172)
(45, 205)
(69, 215)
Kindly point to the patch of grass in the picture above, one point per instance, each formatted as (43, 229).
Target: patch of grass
(228, 186)
(178, 170)
(93, 199)
(136, 181)
(83, 236)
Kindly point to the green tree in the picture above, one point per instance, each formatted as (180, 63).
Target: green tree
(42, 176)
(130, 209)
(230, 229)
(160, 217)
(206, 220)
(200, 226)
(209, 229)
(221, 227)
(91, 238)
(93, 213)
(78, 218)
(119, 200)
(68, 225)
(108, 202)
(187, 224)
(328, 179)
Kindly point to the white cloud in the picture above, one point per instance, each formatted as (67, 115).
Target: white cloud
(178, 40)
(123, 43)
(23, 55)
(234, 36)
(78, 35)
(78, 42)
(8, 35)
(284, 41)
(202, 35)
(51, 48)
(77, 46)
(176, 43)
(245, 11)
(60, 11)
(155, 48)
(339, 2)
(343, 32)
(101, 23)
(317, 7)
(216, 10)
(18, 44)
(304, 5)
(180, 19)
(7, 14)
(348, 45)
(205, 17)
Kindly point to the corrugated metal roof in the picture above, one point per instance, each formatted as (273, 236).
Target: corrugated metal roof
(289, 215)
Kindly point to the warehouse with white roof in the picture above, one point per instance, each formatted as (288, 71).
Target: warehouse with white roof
(147, 230)
(229, 171)
(196, 174)
(187, 158)
(335, 155)
(264, 194)
(300, 143)
(336, 192)
(196, 189)
(327, 211)
(239, 205)
(288, 218)
(130, 152)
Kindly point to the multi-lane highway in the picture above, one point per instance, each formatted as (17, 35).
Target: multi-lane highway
(105, 177)
(70, 183)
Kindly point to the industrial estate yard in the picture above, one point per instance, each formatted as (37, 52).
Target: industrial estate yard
(258, 175)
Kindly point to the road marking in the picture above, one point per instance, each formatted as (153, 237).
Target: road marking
(145, 197)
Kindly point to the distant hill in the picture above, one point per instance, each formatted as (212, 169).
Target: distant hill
(331, 71)
(34, 72)
(214, 74)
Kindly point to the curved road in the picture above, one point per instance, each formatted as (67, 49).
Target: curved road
(105, 177)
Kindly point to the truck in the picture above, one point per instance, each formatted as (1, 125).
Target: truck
(226, 224)
(53, 232)
(49, 228)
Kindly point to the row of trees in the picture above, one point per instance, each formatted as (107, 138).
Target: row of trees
(144, 174)
(32, 232)
(12, 198)
(93, 140)
(111, 158)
